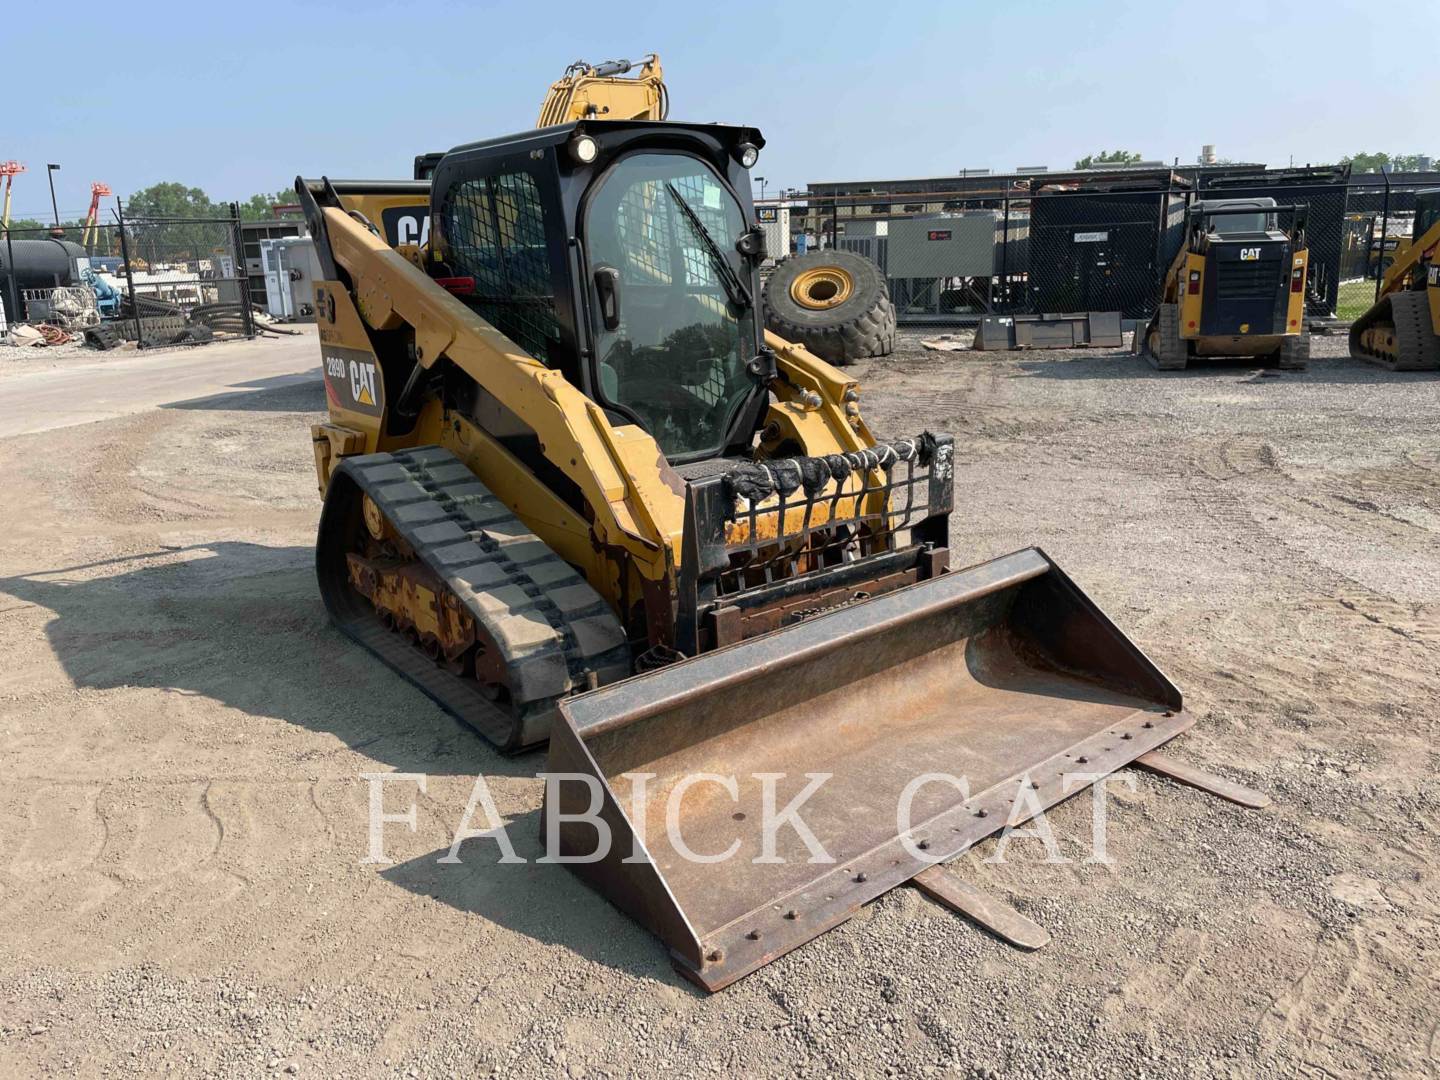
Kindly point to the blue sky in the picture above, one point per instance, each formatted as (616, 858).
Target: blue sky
(238, 98)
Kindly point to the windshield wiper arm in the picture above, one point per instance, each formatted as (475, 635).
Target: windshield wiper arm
(734, 287)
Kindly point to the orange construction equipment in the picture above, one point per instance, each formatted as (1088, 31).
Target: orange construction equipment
(97, 192)
(9, 170)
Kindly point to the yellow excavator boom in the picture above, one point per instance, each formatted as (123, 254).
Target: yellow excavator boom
(607, 91)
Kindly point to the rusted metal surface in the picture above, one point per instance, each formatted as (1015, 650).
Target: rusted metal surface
(1205, 781)
(769, 521)
(411, 598)
(942, 884)
(730, 623)
(1004, 675)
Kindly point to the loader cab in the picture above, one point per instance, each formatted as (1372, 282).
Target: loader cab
(1235, 218)
(623, 253)
(1249, 267)
(1427, 212)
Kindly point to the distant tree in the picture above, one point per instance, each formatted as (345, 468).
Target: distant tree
(259, 207)
(1108, 157)
(1362, 163)
(172, 200)
(25, 224)
(161, 222)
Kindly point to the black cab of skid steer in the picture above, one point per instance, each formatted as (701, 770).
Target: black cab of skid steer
(625, 254)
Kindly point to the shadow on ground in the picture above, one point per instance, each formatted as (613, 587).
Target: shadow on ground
(243, 624)
(543, 901)
(303, 392)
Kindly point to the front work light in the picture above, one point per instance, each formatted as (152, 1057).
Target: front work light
(584, 149)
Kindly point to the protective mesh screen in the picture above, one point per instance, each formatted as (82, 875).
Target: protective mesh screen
(496, 232)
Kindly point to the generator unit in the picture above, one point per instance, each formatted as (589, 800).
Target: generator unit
(291, 270)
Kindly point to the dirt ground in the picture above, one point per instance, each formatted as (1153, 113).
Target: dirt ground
(182, 736)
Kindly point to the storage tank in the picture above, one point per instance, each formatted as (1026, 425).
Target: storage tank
(39, 264)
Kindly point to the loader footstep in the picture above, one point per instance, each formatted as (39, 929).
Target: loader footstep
(1198, 778)
(943, 885)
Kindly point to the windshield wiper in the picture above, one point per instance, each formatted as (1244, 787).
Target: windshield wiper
(734, 287)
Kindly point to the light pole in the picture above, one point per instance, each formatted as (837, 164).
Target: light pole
(761, 181)
(54, 208)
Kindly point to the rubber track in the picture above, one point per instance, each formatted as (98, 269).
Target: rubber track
(1409, 314)
(554, 632)
(1294, 354)
(1172, 353)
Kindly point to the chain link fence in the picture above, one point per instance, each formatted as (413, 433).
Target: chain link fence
(150, 280)
(1031, 246)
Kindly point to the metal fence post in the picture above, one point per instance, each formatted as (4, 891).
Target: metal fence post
(834, 223)
(1384, 232)
(1156, 287)
(242, 273)
(17, 315)
(129, 275)
(1005, 257)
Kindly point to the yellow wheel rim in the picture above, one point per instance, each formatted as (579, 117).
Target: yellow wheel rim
(821, 288)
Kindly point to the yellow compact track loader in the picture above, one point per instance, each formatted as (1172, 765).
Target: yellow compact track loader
(1402, 330)
(576, 493)
(1235, 288)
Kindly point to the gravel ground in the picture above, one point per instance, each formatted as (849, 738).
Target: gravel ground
(183, 822)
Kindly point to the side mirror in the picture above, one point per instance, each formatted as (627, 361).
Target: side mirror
(607, 290)
(752, 243)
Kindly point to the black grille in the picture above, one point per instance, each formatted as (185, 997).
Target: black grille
(1259, 280)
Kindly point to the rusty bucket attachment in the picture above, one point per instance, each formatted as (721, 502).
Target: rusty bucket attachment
(1004, 676)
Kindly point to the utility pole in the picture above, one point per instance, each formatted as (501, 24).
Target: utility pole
(54, 208)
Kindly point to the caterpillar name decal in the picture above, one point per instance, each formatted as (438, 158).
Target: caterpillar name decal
(352, 381)
(406, 224)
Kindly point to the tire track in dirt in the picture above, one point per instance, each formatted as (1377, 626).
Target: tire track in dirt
(1254, 461)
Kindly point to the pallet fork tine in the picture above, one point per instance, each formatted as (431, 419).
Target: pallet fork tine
(1156, 762)
(946, 887)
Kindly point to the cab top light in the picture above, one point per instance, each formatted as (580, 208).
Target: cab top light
(584, 149)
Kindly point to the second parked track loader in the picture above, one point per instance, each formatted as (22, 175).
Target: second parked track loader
(1235, 288)
(1402, 330)
(575, 493)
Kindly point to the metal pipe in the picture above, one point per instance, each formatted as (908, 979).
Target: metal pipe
(16, 314)
(129, 274)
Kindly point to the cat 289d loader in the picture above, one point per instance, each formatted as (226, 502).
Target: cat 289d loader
(1235, 288)
(575, 493)
(1401, 331)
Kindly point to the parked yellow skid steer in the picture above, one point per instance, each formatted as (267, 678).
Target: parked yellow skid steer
(574, 492)
(1236, 287)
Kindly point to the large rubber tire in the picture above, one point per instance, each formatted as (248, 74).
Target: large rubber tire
(859, 326)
